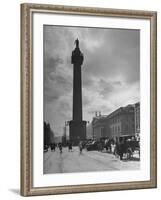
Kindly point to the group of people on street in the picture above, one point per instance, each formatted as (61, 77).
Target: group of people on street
(80, 145)
(53, 146)
(122, 146)
(119, 147)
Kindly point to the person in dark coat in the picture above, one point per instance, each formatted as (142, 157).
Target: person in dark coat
(53, 145)
(80, 147)
(60, 147)
(122, 147)
(70, 147)
(117, 148)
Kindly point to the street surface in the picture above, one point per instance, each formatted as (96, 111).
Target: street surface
(55, 162)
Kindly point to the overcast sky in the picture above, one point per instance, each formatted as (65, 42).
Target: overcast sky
(110, 72)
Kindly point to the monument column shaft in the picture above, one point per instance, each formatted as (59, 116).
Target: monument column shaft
(77, 93)
(77, 127)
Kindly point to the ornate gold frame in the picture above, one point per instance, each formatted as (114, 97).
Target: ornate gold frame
(27, 10)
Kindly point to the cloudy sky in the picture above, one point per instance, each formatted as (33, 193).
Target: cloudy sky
(110, 72)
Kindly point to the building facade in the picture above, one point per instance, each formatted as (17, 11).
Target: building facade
(121, 121)
(48, 134)
(137, 118)
(100, 127)
(89, 131)
(118, 123)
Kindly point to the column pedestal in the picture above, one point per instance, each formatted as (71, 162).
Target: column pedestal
(77, 130)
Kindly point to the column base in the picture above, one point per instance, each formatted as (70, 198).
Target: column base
(77, 131)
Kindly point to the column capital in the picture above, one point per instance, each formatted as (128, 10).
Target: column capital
(77, 56)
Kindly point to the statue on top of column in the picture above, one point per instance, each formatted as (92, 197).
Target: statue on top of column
(77, 43)
(77, 56)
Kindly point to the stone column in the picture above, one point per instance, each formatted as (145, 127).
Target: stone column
(77, 127)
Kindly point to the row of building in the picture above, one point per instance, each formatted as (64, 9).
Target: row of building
(48, 134)
(123, 121)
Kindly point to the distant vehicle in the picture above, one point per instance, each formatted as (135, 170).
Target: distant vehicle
(92, 146)
(84, 143)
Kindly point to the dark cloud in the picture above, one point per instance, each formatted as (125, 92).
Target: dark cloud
(105, 87)
(50, 97)
(57, 86)
(109, 87)
(118, 55)
(118, 83)
(51, 64)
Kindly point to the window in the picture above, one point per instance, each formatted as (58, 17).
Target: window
(102, 130)
(115, 129)
(118, 129)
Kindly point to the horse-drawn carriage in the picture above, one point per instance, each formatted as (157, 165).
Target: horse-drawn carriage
(127, 146)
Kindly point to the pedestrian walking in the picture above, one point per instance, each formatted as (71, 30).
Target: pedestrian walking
(117, 148)
(80, 147)
(70, 146)
(122, 148)
(60, 147)
(106, 144)
(113, 146)
(53, 145)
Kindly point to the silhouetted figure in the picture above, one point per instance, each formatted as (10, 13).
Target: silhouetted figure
(80, 147)
(122, 148)
(60, 147)
(70, 146)
(117, 148)
(53, 146)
